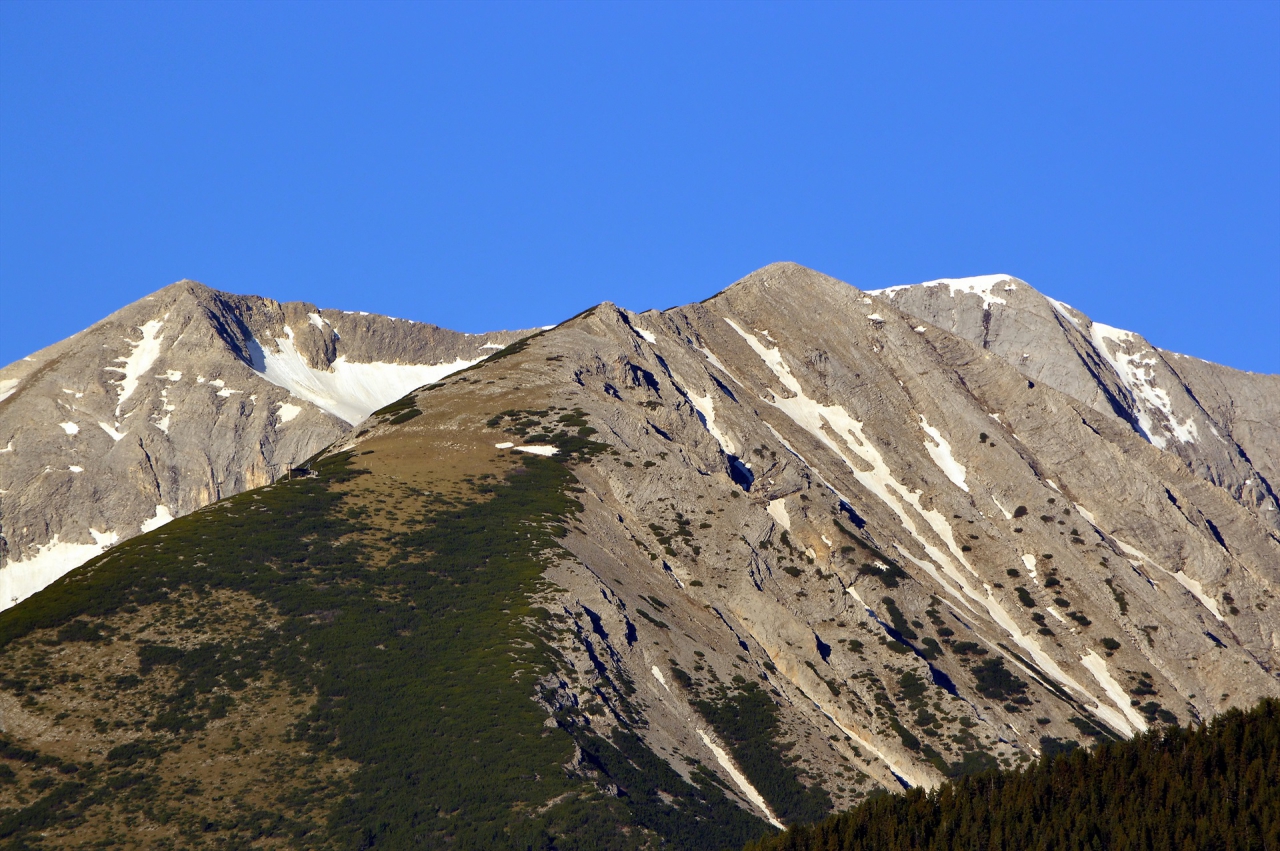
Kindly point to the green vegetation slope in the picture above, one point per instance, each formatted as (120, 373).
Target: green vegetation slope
(389, 630)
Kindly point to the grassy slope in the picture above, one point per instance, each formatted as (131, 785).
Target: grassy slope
(420, 651)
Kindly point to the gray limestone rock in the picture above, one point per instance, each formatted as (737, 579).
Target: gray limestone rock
(919, 552)
(1224, 424)
(182, 398)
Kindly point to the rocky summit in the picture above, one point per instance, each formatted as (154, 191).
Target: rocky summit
(183, 398)
(660, 579)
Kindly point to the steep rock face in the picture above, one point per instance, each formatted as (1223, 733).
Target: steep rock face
(180, 399)
(1221, 422)
(928, 562)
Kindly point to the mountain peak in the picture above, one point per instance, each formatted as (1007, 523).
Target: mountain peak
(181, 398)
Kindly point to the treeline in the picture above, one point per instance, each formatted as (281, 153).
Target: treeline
(1209, 788)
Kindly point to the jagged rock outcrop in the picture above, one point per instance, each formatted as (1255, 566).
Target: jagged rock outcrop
(180, 399)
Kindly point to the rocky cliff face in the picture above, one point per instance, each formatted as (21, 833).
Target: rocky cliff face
(827, 542)
(931, 547)
(183, 398)
(1222, 423)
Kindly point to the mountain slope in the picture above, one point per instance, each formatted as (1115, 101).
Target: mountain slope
(755, 559)
(182, 398)
(1221, 422)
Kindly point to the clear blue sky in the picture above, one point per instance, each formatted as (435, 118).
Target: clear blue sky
(506, 165)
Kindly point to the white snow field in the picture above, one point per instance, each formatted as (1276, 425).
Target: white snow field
(349, 391)
(940, 452)
(20, 579)
(162, 516)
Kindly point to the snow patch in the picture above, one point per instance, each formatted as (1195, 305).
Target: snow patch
(73, 468)
(853, 592)
(20, 579)
(657, 675)
(1197, 591)
(536, 449)
(1003, 510)
(494, 346)
(980, 285)
(112, 430)
(163, 422)
(316, 320)
(286, 412)
(1065, 311)
(777, 509)
(1135, 364)
(8, 447)
(70, 428)
(173, 375)
(1193, 586)
(940, 452)
(349, 391)
(8, 387)
(706, 408)
(504, 445)
(647, 335)
(161, 517)
(742, 783)
(1098, 667)
(142, 356)
(1029, 561)
(714, 361)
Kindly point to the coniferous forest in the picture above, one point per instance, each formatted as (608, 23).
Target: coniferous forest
(1211, 788)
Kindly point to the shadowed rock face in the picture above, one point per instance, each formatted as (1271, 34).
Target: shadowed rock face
(182, 398)
(837, 541)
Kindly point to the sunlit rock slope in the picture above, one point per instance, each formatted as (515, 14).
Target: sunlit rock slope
(776, 551)
(182, 398)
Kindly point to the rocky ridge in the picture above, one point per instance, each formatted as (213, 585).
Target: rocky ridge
(182, 398)
(929, 561)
